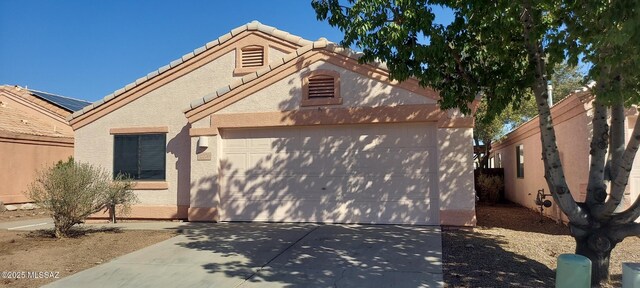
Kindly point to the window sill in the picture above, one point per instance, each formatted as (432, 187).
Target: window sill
(150, 185)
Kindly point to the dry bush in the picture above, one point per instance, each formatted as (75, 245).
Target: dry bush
(120, 197)
(72, 191)
(490, 187)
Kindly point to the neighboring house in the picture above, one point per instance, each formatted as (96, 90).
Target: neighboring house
(520, 154)
(34, 134)
(261, 125)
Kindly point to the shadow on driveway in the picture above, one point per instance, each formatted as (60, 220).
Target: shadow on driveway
(278, 255)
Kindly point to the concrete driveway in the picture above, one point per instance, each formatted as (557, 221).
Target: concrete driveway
(278, 255)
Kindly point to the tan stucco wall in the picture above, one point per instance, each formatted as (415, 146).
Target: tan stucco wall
(205, 199)
(455, 176)
(163, 107)
(192, 173)
(160, 107)
(20, 163)
(356, 90)
(22, 155)
(572, 120)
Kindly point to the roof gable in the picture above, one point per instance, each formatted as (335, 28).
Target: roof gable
(20, 114)
(320, 50)
(278, 39)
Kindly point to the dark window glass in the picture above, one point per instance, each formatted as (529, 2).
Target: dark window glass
(520, 161)
(141, 157)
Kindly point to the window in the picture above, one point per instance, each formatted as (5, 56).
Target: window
(142, 157)
(321, 87)
(498, 160)
(250, 58)
(520, 161)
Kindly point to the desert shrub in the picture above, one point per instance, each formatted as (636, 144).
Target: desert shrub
(490, 187)
(72, 191)
(120, 197)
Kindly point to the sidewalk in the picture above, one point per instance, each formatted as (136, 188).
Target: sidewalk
(47, 223)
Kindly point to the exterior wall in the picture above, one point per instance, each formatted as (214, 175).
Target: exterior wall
(23, 151)
(356, 90)
(455, 177)
(94, 143)
(22, 158)
(205, 198)
(633, 190)
(162, 107)
(193, 167)
(572, 122)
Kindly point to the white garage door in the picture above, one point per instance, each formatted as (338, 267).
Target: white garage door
(383, 173)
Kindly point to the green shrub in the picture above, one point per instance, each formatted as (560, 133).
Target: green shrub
(490, 187)
(73, 191)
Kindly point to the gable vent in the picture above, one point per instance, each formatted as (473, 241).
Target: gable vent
(321, 86)
(252, 56)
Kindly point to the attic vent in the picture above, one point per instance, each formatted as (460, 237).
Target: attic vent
(321, 86)
(252, 56)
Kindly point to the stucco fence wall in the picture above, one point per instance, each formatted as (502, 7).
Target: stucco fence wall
(22, 157)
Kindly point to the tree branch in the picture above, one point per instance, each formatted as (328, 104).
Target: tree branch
(616, 148)
(553, 167)
(626, 230)
(631, 214)
(596, 190)
(622, 178)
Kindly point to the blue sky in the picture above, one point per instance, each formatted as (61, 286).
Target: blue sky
(88, 49)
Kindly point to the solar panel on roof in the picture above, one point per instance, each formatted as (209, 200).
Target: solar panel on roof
(70, 104)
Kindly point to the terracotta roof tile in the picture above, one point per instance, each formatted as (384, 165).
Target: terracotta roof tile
(320, 44)
(188, 56)
(17, 121)
(175, 63)
(129, 86)
(61, 106)
(252, 26)
(199, 50)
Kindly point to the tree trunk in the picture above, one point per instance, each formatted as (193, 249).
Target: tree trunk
(597, 245)
(554, 173)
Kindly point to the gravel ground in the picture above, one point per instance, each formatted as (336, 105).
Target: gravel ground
(511, 247)
(39, 252)
(8, 216)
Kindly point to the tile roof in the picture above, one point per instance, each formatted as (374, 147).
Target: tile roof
(321, 43)
(252, 26)
(14, 120)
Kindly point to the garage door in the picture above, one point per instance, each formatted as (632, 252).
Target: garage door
(383, 173)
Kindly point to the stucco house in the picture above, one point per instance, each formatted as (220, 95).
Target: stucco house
(519, 153)
(34, 134)
(262, 125)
